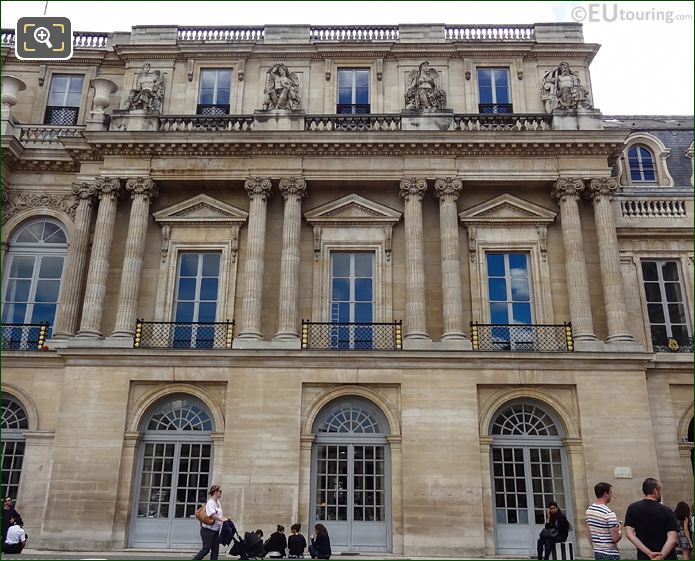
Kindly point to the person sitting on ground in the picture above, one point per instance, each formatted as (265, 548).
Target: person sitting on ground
(15, 541)
(296, 543)
(9, 517)
(276, 544)
(320, 547)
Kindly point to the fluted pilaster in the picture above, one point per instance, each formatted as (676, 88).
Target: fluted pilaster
(258, 190)
(107, 190)
(567, 191)
(601, 191)
(448, 190)
(75, 263)
(142, 191)
(413, 190)
(292, 189)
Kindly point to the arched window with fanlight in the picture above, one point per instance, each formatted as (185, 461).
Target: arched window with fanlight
(33, 273)
(641, 163)
(14, 422)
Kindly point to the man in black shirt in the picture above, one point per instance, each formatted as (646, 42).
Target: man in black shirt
(651, 526)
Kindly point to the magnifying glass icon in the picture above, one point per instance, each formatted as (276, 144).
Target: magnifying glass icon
(42, 35)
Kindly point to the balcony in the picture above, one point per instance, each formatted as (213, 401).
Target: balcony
(58, 115)
(183, 335)
(335, 336)
(534, 338)
(673, 345)
(24, 336)
(352, 123)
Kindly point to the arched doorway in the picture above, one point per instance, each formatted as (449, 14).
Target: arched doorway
(173, 473)
(351, 475)
(529, 469)
(14, 421)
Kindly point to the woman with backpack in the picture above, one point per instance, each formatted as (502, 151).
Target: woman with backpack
(211, 522)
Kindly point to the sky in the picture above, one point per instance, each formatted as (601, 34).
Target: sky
(644, 67)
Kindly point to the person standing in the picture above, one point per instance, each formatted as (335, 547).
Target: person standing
(651, 526)
(210, 533)
(296, 543)
(9, 517)
(320, 546)
(604, 528)
(682, 514)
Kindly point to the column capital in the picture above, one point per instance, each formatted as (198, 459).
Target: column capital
(83, 190)
(106, 187)
(565, 187)
(602, 187)
(413, 187)
(292, 186)
(142, 186)
(258, 187)
(448, 188)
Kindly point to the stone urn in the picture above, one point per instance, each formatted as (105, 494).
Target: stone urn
(103, 89)
(11, 86)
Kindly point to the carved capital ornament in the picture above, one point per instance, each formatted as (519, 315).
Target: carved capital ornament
(258, 187)
(413, 187)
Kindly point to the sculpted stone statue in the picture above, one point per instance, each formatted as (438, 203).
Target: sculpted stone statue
(281, 89)
(562, 89)
(148, 93)
(424, 91)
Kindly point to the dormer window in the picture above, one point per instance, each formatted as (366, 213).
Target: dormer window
(641, 163)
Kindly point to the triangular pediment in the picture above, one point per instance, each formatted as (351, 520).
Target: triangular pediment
(352, 209)
(201, 210)
(507, 209)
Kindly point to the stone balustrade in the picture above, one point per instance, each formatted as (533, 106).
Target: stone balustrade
(507, 122)
(348, 123)
(490, 32)
(198, 123)
(350, 33)
(80, 39)
(223, 34)
(653, 208)
(47, 134)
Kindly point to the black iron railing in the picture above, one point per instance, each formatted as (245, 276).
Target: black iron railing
(522, 338)
(673, 345)
(495, 108)
(212, 109)
(24, 336)
(183, 335)
(327, 336)
(56, 115)
(352, 108)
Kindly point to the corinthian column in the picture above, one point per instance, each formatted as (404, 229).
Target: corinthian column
(73, 274)
(609, 256)
(412, 190)
(292, 189)
(448, 190)
(259, 190)
(142, 191)
(567, 191)
(107, 189)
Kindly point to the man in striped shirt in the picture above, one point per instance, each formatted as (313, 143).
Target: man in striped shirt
(604, 528)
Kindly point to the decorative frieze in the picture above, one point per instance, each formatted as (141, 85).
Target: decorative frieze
(13, 202)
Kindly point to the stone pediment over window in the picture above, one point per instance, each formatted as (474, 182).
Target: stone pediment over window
(201, 210)
(507, 210)
(352, 210)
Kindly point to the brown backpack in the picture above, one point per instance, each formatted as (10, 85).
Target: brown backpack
(203, 517)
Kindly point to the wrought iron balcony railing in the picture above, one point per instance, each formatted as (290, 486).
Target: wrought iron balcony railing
(352, 108)
(522, 338)
(212, 109)
(57, 115)
(495, 108)
(24, 336)
(673, 345)
(327, 336)
(183, 335)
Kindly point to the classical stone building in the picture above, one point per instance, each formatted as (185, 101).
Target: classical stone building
(406, 280)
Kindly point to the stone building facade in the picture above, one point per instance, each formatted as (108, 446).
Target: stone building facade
(407, 281)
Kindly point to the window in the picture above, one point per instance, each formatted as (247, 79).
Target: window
(353, 91)
(64, 98)
(493, 90)
(215, 88)
(665, 302)
(352, 299)
(33, 274)
(196, 300)
(510, 300)
(641, 163)
(14, 421)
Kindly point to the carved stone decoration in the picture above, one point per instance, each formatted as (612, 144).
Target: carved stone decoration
(567, 187)
(562, 89)
(148, 93)
(107, 187)
(12, 203)
(144, 186)
(281, 90)
(413, 187)
(258, 187)
(290, 186)
(166, 236)
(603, 187)
(424, 91)
(448, 188)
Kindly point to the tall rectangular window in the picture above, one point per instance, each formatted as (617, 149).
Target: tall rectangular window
(64, 96)
(215, 91)
(353, 90)
(493, 90)
(665, 302)
(197, 287)
(352, 299)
